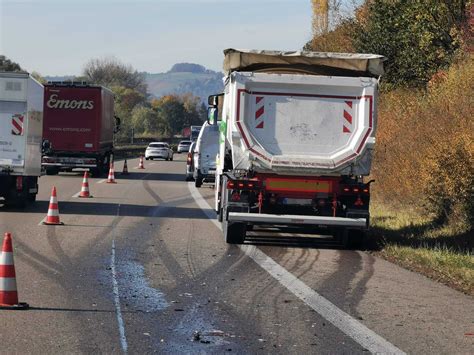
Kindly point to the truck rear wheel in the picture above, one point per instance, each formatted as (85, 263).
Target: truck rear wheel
(52, 171)
(351, 239)
(234, 232)
(198, 180)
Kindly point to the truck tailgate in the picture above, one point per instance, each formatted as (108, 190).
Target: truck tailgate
(302, 121)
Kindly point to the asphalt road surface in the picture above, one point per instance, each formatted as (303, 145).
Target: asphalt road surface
(142, 267)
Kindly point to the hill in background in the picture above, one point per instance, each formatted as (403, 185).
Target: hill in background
(185, 78)
(182, 78)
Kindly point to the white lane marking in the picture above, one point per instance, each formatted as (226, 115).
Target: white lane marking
(118, 310)
(341, 320)
(76, 195)
(42, 221)
(101, 181)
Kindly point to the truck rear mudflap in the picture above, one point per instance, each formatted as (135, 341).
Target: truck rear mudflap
(264, 218)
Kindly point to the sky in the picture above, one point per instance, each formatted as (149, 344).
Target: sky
(58, 37)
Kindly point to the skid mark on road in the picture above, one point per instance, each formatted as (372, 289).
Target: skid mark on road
(341, 320)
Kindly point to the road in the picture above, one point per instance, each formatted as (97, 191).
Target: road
(141, 268)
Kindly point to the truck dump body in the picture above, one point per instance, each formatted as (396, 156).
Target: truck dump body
(294, 123)
(78, 119)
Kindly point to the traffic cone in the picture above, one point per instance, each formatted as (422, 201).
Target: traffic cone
(141, 166)
(53, 211)
(85, 186)
(125, 168)
(111, 178)
(8, 291)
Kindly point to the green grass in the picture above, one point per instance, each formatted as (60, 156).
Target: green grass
(411, 240)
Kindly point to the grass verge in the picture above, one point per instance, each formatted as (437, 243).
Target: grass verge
(413, 241)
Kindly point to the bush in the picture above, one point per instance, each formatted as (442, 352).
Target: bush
(424, 155)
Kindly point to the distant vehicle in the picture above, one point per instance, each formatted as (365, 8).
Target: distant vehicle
(21, 125)
(79, 127)
(195, 132)
(158, 150)
(190, 162)
(183, 146)
(204, 156)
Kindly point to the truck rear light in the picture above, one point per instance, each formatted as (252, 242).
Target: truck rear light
(355, 189)
(189, 159)
(243, 184)
(235, 197)
(366, 191)
(321, 202)
(359, 202)
(346, 189)
(19, 183)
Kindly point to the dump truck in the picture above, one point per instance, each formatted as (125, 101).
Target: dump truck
(79, 127)
(21, 125)
(297, 138)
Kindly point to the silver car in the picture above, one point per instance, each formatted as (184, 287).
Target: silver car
(183, 146)
(158, 150)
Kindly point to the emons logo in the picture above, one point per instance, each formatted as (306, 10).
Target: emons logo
(53, 102)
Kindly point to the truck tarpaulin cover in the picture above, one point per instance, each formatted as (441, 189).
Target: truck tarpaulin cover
(345, 64)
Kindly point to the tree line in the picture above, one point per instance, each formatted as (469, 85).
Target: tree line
(140, 114)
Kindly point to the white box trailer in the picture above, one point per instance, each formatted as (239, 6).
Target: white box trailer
(298, 132)
(21, 126)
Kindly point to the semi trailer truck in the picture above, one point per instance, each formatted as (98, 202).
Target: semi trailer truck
(79, 127)
(297, 138)
(21, 124)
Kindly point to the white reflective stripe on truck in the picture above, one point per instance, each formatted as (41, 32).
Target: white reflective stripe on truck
(297, 219)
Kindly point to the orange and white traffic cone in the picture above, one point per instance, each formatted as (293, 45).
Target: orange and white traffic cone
(111, 178)
(53, 210)
(140, 165)
(125, 168)
(8, 291)
(85, 186)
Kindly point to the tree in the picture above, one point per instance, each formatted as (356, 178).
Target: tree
(7, 65)
(418, 37)
(112, 72)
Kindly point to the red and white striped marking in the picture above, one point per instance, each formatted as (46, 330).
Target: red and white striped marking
(53, 210)
(8, 290)
(347, 125)
(259, 112)
(17, 125)
(111, 177)
(85, 186)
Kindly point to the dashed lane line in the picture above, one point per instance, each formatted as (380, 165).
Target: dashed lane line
(358, 332)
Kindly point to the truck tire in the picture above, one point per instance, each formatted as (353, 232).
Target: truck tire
(234, 232)
(198, 180)
(52, 171)
(171, 158)
(352, 239)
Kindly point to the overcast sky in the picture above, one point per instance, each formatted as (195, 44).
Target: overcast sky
(57, 37)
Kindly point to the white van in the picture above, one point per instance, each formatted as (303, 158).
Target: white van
(205, 152)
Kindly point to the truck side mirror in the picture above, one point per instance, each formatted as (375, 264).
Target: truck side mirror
(212, 114)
